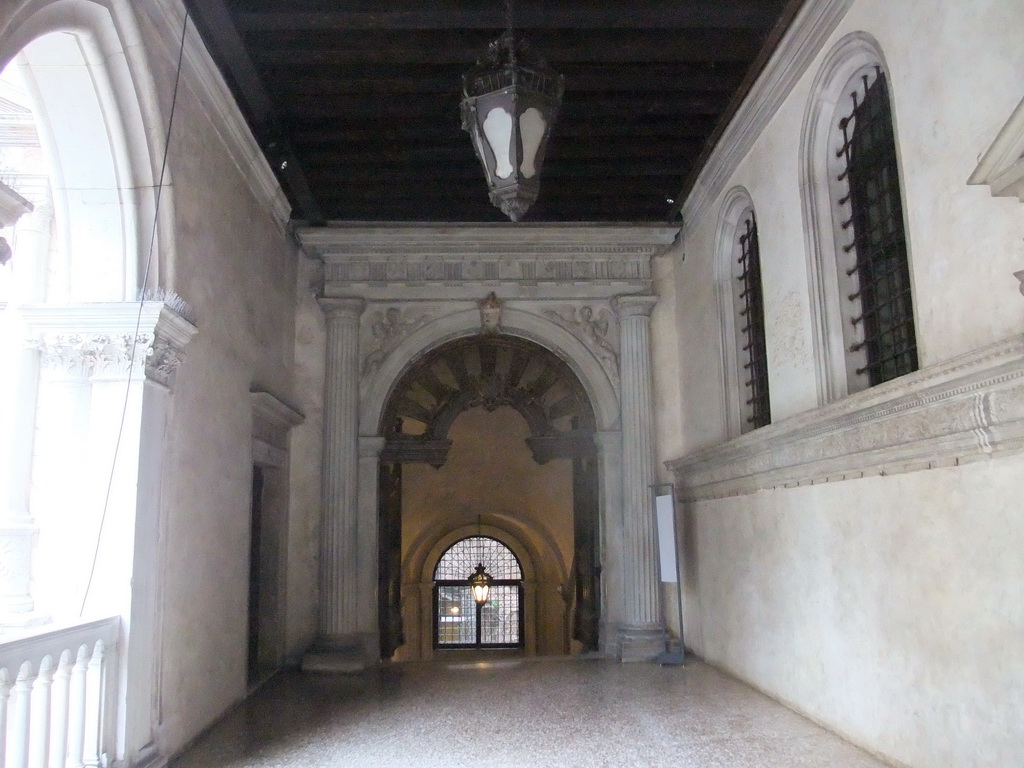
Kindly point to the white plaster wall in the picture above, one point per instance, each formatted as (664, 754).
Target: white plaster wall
(887, 608)
(236, 266)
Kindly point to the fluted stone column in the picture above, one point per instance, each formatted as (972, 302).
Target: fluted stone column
(367, 544)
(642, 632)
(339, 532)
(609, 451)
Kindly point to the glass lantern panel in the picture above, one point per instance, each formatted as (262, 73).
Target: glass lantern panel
(498, 130)
(532, 126)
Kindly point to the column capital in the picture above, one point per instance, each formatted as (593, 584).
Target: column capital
(347, 307)
(634, 306)
(370, 446)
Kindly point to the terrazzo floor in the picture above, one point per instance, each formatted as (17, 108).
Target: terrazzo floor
(518, 712)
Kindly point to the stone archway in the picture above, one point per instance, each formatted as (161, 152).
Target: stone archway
(393, 294)
(493, 371)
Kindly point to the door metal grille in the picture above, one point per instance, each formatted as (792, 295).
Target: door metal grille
(458, 621)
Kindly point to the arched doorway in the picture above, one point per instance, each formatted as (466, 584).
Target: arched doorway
(461, 622)
(494, 390)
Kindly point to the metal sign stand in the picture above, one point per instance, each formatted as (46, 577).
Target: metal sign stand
(665, 527)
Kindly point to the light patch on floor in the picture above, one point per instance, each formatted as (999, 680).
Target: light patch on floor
(527, 713)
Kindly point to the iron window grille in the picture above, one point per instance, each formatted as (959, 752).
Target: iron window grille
(880, 304)
(754, 355)
(458, 621)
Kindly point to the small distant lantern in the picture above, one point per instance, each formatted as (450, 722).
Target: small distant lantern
(480, 583)
(509, 105)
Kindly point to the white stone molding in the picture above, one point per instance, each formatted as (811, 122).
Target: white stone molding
(795, 52)
(1020, 277)
(855, 54)
(12, 206)
(114, 340)
(220, 107)
(419, 262)
(272, 418)
(966, 409)
(1002, 165)
(172, 334)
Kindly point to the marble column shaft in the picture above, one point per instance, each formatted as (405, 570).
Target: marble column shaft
(339, 569)
(642, 589)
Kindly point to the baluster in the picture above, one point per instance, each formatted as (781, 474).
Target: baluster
(76, 709)
(5, 691)
(94, 707)
(21, 703)
(39, 739)
(59, 712)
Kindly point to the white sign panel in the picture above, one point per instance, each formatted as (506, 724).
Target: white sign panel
(665, 511)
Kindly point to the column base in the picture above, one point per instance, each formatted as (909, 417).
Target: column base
(641, 643)
(342, 655)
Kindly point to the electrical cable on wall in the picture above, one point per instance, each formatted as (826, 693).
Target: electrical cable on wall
(138, 319)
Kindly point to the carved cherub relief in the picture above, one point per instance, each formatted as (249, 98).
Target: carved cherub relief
(388, 331)
(593, 330)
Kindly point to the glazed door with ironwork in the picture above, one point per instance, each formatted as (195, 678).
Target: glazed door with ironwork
(459, 622)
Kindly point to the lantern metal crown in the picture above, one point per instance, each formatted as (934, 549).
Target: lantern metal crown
(510, 101)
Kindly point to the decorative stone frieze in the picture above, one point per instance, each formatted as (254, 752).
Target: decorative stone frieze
(965, 409)
(110, 340)
(97, 355)
(450, 262)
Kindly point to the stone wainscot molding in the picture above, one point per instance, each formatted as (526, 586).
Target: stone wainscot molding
(966, 409)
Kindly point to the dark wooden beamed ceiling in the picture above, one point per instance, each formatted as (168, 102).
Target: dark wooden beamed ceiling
(356, 103)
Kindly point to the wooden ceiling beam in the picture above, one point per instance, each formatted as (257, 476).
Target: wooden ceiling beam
(558, 47)
(414, 152)
(438, 14)
(288, 82)
(308, 134)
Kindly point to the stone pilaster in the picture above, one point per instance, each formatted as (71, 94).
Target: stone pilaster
(368, 549)
(339, 534)
(642, 631)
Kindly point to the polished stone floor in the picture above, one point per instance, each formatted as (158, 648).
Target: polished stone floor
(510, 712)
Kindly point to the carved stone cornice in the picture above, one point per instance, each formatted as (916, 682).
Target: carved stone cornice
(964, 409)
(1002, 166)
(801, 43)
(114, 340)
(271, 420)
(433, 261)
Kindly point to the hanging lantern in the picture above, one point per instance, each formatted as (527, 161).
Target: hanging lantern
(509, 105)
(480, 583)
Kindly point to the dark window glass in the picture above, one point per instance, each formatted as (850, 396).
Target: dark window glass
(878, 249)
(753, 354)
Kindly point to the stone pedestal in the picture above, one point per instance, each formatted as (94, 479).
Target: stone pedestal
(642, 630)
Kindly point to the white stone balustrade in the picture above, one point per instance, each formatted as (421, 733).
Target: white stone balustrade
(58, 697)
